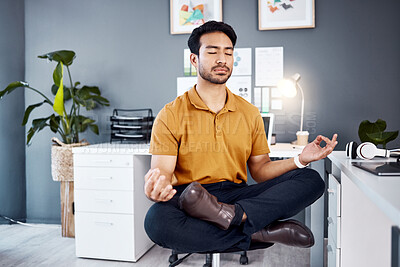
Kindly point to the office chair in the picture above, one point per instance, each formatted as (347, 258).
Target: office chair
(213, 257)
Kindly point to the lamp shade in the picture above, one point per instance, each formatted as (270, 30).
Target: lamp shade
(287, 87)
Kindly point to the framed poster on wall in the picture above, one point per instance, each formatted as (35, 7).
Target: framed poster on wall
(185, 15)
(286, 14)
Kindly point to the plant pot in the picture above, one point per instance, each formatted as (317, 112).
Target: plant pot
(62, 170)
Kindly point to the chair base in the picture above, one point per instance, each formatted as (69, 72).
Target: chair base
(213, 257)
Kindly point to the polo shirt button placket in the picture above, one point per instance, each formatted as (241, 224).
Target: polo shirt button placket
(218, 127)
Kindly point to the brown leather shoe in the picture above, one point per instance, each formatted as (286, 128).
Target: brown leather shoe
(198, 203)
(290, 233)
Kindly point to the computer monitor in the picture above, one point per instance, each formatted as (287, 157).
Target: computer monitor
(268, 119)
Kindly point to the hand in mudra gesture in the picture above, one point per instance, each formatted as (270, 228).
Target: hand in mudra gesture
(313, 151)
(157, 187)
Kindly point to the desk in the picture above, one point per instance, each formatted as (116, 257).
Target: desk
(109, 200)
(362, 209)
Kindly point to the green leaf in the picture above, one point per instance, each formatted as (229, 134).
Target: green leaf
(67, 92)
(64, 56)
(81, 102)
(101, 100)
(37, 125)
(92, 89)
(58, 74)
(86, 92)
(94, 128)
(12, 86)
(383, 137)
(29, 110)
(59, 99)
(90, 104)
(88, 121)
(84, 122)
(54, 89)
(369, 127)
(54, 123)
(31, 132)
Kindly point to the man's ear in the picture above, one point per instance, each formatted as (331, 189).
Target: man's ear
(194, 59)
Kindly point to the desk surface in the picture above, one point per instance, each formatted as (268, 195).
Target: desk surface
(384, 191)
(283, 150)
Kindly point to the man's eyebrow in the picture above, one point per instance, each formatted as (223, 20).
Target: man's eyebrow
(216, 47)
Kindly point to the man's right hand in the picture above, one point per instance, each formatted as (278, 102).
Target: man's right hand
(157, 187)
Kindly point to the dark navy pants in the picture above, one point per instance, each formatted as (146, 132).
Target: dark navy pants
(279, 198)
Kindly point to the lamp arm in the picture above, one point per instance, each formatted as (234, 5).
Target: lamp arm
(302, 107)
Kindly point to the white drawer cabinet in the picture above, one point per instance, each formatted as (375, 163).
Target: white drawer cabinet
(110, 205)
(334, 210)
(104, 235)
(362, 208)
(104, 201)
(95, 178)
(334, 222)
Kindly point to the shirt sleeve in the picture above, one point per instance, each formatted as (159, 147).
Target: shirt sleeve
(163, 141)
(260, 144)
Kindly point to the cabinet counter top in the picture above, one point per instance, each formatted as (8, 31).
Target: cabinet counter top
(113, 148)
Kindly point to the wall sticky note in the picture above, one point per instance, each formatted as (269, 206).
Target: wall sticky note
(257, 97)
(276, 104)
(240, 85)
(265, 99)
(275, 92)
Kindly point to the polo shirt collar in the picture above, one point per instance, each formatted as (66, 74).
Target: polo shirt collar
(199, 104)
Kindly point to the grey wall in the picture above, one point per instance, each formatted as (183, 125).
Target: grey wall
(12, 142)
(348, 65)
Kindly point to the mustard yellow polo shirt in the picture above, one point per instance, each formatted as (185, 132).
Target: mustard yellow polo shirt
(209, 147)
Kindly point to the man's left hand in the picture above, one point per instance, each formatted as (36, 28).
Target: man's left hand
(313, 151)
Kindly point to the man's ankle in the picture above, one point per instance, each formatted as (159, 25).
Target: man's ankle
(244, 217)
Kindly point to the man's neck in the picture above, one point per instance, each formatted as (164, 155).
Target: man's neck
(213, 95)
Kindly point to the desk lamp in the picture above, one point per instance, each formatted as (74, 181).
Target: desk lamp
(289, 89)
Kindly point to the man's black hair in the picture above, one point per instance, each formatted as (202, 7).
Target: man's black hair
(208, 27)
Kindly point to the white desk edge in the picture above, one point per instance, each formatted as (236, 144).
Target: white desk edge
(283, 150)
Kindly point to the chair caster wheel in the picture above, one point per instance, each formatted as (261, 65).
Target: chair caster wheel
(244, 260)
(173, 258)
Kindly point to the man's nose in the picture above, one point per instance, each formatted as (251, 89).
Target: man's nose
(221, 59)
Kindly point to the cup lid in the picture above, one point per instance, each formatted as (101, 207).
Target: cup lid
(302, 133)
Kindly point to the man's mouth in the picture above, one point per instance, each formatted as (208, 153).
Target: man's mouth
(221, 70)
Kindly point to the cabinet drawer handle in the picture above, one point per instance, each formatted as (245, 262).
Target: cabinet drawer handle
(331, 191)
(103, 161)
(102, 178)
(329, 248)
(104, 200)
(104, 223)
(330, 220)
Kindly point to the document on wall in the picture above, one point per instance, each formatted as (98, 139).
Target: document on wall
(240, 85)
(242, 61)
(184, 84)
(269, 65)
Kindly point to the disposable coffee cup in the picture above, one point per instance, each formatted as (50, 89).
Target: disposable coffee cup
(302, 138)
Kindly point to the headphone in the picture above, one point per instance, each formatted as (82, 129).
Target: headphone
(366, 150)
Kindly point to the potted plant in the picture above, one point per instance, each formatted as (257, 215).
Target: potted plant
(67, 121)
(374, 132)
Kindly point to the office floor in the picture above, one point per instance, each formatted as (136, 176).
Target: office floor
(44, 246)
